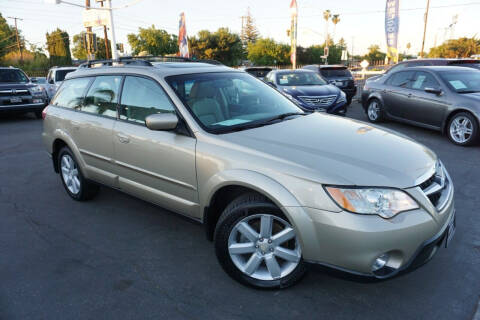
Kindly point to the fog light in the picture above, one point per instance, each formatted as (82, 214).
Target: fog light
(380, 262)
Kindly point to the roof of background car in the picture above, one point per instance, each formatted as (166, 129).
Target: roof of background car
(293, 71)
(444, 68)
(443, 59)
(9, 68)
(164, 69)
(64, 68)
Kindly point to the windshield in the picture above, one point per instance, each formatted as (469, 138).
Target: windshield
(299, 79)
(60, 76)
(12, 76)
(332, 73)
(228, 101)
(462, 81)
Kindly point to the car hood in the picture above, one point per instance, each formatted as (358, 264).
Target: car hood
(323, 90)
(334, 150)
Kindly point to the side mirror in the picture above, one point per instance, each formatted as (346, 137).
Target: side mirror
(436, 91)
(50, 81)
(161, 121)
(34, 80)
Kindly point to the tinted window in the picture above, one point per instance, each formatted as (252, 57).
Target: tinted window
(102, 97)
(60, 74)
(332, 73)
(12, 76)
(401, 79)
(299, 79)
(462, 81)
(424, 80)
(71, 92)
(397, 67)
(142, 97)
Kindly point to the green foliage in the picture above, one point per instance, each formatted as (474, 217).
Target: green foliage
(58, 46)
(156, 42)
(374, 54)
(8, 40)
(268, 52)
(457, 48)
(221, 45)
(79, 51)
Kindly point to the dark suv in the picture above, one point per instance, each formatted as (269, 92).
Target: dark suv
(19, 94)
(337, 75)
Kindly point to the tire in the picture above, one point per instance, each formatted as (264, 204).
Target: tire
(282, 254)
(38, 114)
(463, 129)
(77, 187)
(374, 111)
(349, 101)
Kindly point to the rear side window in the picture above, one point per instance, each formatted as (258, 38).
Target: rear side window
(102, 97)
(60, 74)
(142, 97)
(70, 95)
(401, 79)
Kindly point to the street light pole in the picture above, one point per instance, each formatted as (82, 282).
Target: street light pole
(425, 29)
(112, 30)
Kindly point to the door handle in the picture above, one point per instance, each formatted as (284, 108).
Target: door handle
(123, 138)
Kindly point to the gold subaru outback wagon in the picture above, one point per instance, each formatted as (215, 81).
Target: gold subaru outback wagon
(276, 187)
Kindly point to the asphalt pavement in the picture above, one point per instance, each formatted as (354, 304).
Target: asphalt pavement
(118, 257)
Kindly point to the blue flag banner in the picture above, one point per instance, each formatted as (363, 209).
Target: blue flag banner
(392, 21)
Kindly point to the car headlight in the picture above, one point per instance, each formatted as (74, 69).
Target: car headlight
(342, 98)
(37, 90)
(383, 202)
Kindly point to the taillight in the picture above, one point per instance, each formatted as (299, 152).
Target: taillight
(44, 112)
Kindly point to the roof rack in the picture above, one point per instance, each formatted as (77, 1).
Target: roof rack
(142, 61)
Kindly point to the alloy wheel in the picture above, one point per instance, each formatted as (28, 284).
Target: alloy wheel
(461, 129)
(373, 110)
(70, 174)
(264, 247)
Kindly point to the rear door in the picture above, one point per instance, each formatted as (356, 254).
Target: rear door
(423, 107)
(396, 92)
(158, 166)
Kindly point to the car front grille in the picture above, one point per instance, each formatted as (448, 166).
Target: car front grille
(320, 101)
(438, 187)
(14, 92)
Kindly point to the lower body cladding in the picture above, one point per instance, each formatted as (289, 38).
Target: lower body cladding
(369, 245)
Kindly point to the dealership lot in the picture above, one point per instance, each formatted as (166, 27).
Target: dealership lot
(119, 257)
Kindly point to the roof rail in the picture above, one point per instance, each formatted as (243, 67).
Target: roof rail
(143, 61)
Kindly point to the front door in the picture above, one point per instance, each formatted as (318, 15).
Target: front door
(158, 166)
(396, 93)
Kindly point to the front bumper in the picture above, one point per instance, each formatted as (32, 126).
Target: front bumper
(24, 107)
(351, 242)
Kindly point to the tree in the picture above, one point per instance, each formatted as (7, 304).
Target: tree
(335, 20)
(268, 52)
(457, 48)
(7, 37)
(374, 54)
(79, 51)
(58, 46)
(156, 42)
(221, 45)
(249, 31)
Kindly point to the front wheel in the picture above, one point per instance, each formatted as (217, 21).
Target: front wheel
(256, 244)
(463, 129)
(375, 111)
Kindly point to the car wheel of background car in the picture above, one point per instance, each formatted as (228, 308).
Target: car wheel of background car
(256, 245)
(463, 129)
(38, 114)
(72, 178)
(374, 111)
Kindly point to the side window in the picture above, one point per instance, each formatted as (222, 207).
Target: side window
(49, 76)
(142, 97)
(424, 80)
(401, 79)
(71, 92)
(102, 97)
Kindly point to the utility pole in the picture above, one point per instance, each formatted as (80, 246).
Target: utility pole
(90, 54)
(105, 34)
(18, 40)
(112, 30)
(425, 29)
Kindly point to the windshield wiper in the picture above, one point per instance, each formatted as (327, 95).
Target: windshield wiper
(262, 123)
(469, 91)
(283, 116)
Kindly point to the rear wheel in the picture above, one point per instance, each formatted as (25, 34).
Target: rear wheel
(463, 129)
(257, 246)
(72, 178)
(375, 111)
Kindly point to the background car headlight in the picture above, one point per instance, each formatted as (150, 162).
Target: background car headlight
(37, 90)
(383, 202)
(342, 98)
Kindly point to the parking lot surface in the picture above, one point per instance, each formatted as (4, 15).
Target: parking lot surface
(118, 257)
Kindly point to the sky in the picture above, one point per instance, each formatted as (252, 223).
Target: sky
(361, 22)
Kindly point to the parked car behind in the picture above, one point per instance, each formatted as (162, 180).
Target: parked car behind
(308, 90)
(258, 72)
(275, 187)
(18, 94)
(440, 98)
(338, 75)
(55, 77)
